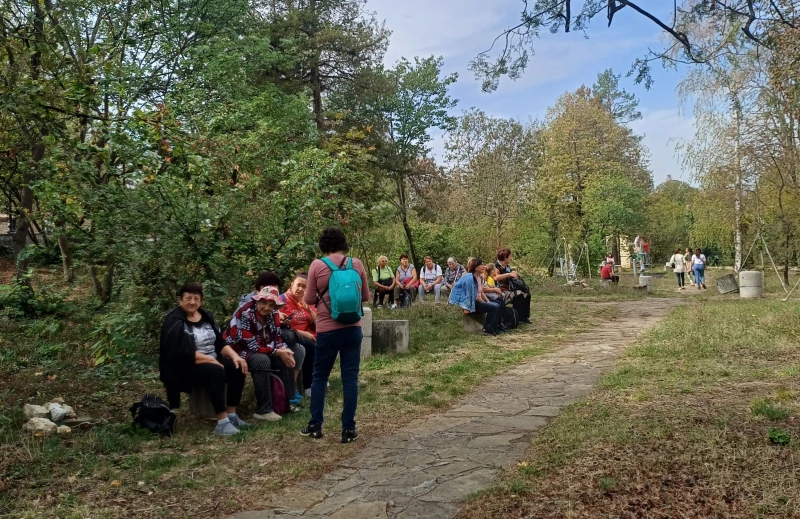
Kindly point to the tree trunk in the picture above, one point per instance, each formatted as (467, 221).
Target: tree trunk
(66, 258)
(108, 283)
(737, 200)
(402, 205)
(98, 287)
(316, 92)
(24, 209)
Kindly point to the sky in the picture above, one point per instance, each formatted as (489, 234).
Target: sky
(460, 29)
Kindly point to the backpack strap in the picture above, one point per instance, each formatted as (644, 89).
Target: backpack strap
(333, 268)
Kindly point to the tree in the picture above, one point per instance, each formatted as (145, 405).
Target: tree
(582, 146)
(334, 43)
(696, 28)
(622, 105)
(616, 207)
(418, 103)
(668, 213)
(494, 159)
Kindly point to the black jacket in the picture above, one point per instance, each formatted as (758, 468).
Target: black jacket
(177, 351)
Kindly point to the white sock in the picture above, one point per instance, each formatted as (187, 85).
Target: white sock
(223, 421)
(231, 416)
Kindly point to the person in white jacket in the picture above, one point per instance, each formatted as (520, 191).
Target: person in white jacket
(678, 264)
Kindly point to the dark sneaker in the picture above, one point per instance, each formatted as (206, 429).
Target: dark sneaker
(314, 431)
(526, 321)
(349, 436)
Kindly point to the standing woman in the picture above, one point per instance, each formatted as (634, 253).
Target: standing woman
(340, 338)
(679, 268)
(687, 261)
(699, 267)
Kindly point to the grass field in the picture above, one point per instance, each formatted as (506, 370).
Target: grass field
(115, 471)
(699, 420)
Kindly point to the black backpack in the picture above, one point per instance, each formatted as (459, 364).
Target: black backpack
(154, 414)
(510, 317)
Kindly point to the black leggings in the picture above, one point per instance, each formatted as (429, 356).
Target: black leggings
(213, 378)
(379, 295)
(308, 366)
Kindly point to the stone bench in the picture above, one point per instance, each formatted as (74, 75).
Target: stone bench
(473, 323)
(605, 283)
(390, 337)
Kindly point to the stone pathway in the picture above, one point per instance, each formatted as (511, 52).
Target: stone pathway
(428, 468)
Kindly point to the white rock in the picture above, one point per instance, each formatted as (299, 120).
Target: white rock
(70, 411)
(63, 429)
(35, 411)
(57, 413)
(42, 425)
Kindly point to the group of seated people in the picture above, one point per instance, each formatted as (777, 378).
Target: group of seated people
(494, 288)
(270, 332)
(274, 332)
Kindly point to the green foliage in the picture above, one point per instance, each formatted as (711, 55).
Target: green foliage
(779, 436)
(616, 206)
(764, 407)
(622, 105)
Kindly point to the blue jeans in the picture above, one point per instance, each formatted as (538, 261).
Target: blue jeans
(494, 314)
(345, 342)
(699, 274)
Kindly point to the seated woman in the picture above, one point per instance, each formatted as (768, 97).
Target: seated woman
(384, 282)
(468, 294)
(265, 279)
(193, 354)
(406, 282)
(490, 288)
(255, 334)
(506, 278)
(302, 319)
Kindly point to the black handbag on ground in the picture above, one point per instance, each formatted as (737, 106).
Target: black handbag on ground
(154, 414)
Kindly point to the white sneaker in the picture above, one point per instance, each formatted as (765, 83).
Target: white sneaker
(380, 307)
(394, 306)
(272, 416)
(307, 393)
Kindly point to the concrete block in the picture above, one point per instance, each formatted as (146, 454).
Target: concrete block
(727, 284)
(473, 323)
(200, 403)
(366, 322)
(366, 347)
(390, 337)
(646, 281)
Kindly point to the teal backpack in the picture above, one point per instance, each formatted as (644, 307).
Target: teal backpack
(345, 292)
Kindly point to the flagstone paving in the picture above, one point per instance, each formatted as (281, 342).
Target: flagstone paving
(428, 468)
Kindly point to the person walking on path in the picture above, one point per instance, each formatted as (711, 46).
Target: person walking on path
(687, 262)
(678, 265)
(331, 287)
(699, 268)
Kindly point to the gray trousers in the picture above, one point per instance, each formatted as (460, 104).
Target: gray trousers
(437, 290)
(259, 365)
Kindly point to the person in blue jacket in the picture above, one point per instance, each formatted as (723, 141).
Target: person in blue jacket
(468, 294)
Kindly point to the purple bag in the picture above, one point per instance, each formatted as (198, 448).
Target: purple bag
(280, 401)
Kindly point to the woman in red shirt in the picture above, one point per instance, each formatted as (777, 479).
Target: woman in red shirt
(302, 318)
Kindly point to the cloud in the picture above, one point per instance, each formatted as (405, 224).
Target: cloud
(663, 130)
